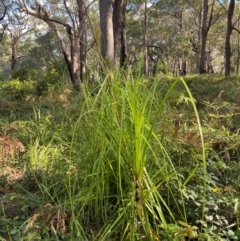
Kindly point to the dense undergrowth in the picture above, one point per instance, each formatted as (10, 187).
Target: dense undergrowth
(126, 159)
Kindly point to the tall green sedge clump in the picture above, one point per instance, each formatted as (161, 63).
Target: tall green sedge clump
(112, 180)
(130, 165)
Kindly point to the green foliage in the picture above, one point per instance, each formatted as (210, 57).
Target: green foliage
(55, 76)
(24, 74)
(2, 78)
(48, 83)
(16, 89)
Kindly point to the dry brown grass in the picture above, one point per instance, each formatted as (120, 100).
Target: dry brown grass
(10, 146)
(49, 215)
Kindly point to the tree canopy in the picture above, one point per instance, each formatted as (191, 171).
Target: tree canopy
(176, 37)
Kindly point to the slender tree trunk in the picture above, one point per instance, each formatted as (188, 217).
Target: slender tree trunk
(82, 37)
(204, 31)
(83, 54)
(75, 62)
(14, 52)
(206, 24)
(123, 52)
(74, 47)
(228, 51)
(106, 26)
(184, 67)
(197, 46)
(145, 40)
(117, 24)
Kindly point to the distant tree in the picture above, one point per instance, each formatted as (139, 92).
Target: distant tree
(169, 28)
(47, 50)
(228, 51)
(205, 26)
(145, 40)
(18, 26)
(69, 16)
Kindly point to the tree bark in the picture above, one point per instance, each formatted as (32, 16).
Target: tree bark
(82, 38)
(145, 40)
(83, 54)
(123, 51)
(204, 32)
(107, 34)
(14, 51)
(184, 67)
(117, 25)
(228, 51)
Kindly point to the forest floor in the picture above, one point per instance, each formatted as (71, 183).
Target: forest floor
(25, 132)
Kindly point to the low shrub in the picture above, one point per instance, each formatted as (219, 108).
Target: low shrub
(15, 89)
(53, 79)
(24, 74)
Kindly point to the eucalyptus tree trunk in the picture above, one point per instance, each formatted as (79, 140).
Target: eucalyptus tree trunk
(145, 40)
(74, 50)
(123, 50)
(119, 31)
(202, 68)
(228, 51)
(117, 22)
(183, 65)
(82, 38)
(107, 34)
(83, 54)
(14, 51)
(204, 33)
